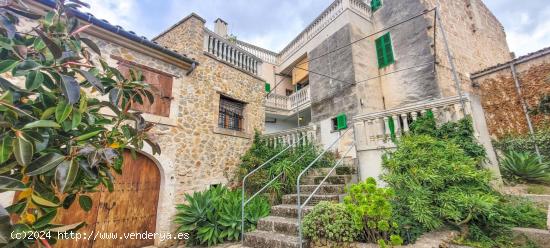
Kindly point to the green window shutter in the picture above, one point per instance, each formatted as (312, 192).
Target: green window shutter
(267, 87)
(375, 4)
(388, 49)
(384, 51)
(341, 121)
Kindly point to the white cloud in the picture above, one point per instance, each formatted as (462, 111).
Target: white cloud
(117, 12)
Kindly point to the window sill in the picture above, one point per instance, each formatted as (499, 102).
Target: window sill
(228, 132)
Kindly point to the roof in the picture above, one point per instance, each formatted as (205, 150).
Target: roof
(193, 14)
(118, 30)
(521, 59)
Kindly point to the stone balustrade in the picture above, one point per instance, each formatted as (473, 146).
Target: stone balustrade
(322, 21)
(373, 130)
(264, 54)
(292, 103)
(229, 52)
(290, 136)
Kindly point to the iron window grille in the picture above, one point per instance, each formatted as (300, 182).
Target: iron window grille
(231, 114)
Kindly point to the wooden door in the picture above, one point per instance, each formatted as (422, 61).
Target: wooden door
(131, 208)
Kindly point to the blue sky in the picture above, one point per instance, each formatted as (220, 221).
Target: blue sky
(274, 23)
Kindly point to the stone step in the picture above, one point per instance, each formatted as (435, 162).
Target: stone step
(289, 210)
(325, 189)
(292, 199)
(279, 224)
(262, 239)
(339, 179)
(340, 170)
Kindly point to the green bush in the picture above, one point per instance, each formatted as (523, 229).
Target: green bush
(330, 221)
(372, 208)
(525, 167)
(214, 216)
(437, 182)
(261, 151)
(526, 143)
(460, 133)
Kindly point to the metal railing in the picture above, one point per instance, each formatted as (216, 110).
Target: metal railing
(244, 201)
(298, 197)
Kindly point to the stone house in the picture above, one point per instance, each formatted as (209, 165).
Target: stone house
(206, 111)
(373, 66)
(512, 91)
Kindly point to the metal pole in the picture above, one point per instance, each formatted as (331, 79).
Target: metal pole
(450, 57)
(524, 106)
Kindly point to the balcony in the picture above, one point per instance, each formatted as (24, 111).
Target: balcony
(228, 52)
(289, 104)
(373, 130)
(306, 134)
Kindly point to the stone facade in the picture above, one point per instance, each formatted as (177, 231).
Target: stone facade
(196, 153)
(500, 97)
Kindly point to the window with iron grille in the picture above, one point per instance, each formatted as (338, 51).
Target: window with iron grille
(231, 114)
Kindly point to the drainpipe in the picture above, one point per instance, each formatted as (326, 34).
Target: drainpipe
(450, 57)
(524, 106)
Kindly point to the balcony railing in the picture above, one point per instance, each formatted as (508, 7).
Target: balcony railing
(373, 130)
(289, 103)
(322, 21)
(290, 136)
(229, 52)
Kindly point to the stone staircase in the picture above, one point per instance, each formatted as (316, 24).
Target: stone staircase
(280, 229)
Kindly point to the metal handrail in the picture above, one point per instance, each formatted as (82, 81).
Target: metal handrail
(243, 202)
(300, 176)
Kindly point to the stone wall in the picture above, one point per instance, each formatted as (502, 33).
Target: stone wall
(207, 154)
(501, 101)
(476, 39)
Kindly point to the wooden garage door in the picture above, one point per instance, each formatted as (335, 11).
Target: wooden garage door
(131, 208)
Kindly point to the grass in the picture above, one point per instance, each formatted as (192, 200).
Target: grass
(537, 189)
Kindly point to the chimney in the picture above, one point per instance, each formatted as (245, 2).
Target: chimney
(220, 27)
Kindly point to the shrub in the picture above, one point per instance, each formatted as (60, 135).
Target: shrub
(526, 143)
(289, 163)
(525, 167)
(214, 216)
(435, 182)
(56, 145)
(372, 208)
(330, 221)
(460, 133)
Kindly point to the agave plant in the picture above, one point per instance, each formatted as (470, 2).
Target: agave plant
(525, 166)
(214, 216)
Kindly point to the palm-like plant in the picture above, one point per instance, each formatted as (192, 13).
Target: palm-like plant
(525, 166)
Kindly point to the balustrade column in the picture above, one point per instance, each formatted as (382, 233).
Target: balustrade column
(396, 125)
(405, 119)
(414, 116)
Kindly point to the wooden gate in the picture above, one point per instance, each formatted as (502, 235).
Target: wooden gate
(131, 208)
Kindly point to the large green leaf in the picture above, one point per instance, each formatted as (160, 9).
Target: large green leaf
(42, 202)
(34, 80)
(7, 65)
(91, 45)
(52, 46)
(65, 174)
(66, 228)
(10, 184)
(41, 123)
(5, 226)
(5, 148)
(23, 150)
(23, 67)
(93, 80)
(62, 111)
(88, 135)
(77, 118)
(70, 88)
(44, 163)
(85, 202)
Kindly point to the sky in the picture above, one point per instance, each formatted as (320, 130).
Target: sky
(274, 23)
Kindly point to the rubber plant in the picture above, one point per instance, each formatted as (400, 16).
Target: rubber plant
(56, 143)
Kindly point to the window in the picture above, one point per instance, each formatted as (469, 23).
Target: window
(375, 4)
(384, 51)
(340, 122)
(267, 87)
(231, 114)
(161, 87)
